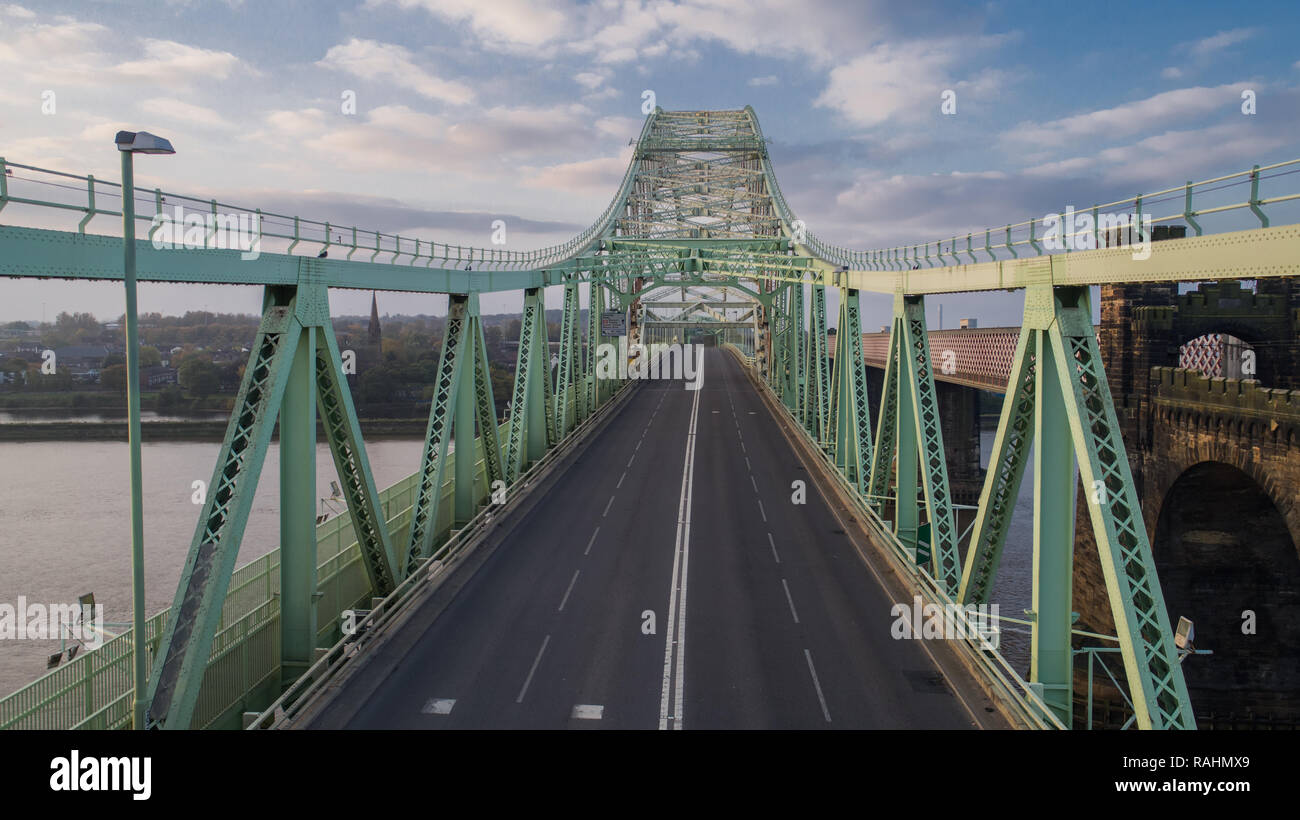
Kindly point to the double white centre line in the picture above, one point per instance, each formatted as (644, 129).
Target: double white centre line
(675, 640)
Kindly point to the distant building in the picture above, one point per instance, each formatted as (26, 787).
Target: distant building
(82, 361)
(158, 376)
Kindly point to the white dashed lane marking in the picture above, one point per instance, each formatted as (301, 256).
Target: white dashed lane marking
(438, 706)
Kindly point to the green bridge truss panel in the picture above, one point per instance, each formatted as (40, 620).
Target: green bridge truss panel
(851, 412)
(294, 319)
(699, 206)
(462, 399)
(527, 436)
(819, 378)
(566, 376)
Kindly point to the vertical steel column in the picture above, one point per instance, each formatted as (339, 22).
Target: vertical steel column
(819, 369)
(1160, 697)
(298, 513)
(924, 403)
(797, 368)
(186, 642)
(852, 412)
(526, 439)
(465, 489)
(1052, 661)
(442, 410)
(1058, 388)
(907, 513)
(593, 340)
(565, 382)
(601, 386)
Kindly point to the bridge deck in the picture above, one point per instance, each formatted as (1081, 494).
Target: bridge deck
(553, 619)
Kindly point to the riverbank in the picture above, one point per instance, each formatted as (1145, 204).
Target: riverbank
(205, 430)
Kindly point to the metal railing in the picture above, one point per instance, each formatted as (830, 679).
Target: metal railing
(33, 186)
(1019, 239)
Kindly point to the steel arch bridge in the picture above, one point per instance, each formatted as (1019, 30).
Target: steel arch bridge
(697, 235)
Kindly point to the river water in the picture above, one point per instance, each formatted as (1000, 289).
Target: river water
(65, 523)
(65, 528)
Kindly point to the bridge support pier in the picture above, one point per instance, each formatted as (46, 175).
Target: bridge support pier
(1052, 661)
(851, 415)
(298, 513)
(1058, 381)
(295, 336)
(462, 397)
(528, 435)
(909, 427)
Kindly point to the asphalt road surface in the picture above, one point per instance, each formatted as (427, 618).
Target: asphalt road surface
(667, 581)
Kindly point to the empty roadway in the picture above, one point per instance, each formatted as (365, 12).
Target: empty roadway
(783, 624)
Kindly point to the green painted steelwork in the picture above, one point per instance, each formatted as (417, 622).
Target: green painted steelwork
(922, 409)
(699, 208)
(851, 412)
(292, 318)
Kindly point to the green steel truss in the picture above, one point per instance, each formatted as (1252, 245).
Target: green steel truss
(1007, 463)
(462, 400)
(817, 388)
(295, 347)
(850, 412)
(1058, 400)
(699, 207)
(908, 428)
(567, 384)
(529, 435)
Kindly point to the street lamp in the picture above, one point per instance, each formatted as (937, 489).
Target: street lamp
(130, 143)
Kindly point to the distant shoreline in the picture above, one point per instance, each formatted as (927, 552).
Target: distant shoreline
(207, 430)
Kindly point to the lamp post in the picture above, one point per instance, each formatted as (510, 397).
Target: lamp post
(130, 143)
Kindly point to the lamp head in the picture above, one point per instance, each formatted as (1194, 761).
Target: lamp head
(142, 142)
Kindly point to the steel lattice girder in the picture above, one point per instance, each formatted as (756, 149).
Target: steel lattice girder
(462, 396)
(292, 316)
(343, 430)
(1006, 469)
(1058, 400)
(565, 378)
(918, 365)
(851, 412)
(795, 374)
(819, 370)
(882, 459)
(1137, 604)
(909, 426)
(526, 438)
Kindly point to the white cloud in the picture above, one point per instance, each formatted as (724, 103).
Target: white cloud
(372, 60)
(503, 23)
(592, 176)
(167, 62)
(1130, 118)
(18, 12)
(904, 80)
(1171, 72)
(1207, 47)
(758, 82)
(490, 143)
(181, 111)
(589, 80)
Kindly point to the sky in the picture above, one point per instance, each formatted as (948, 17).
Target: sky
(469, 111)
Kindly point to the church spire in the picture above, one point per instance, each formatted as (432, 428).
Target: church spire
(374, 321)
